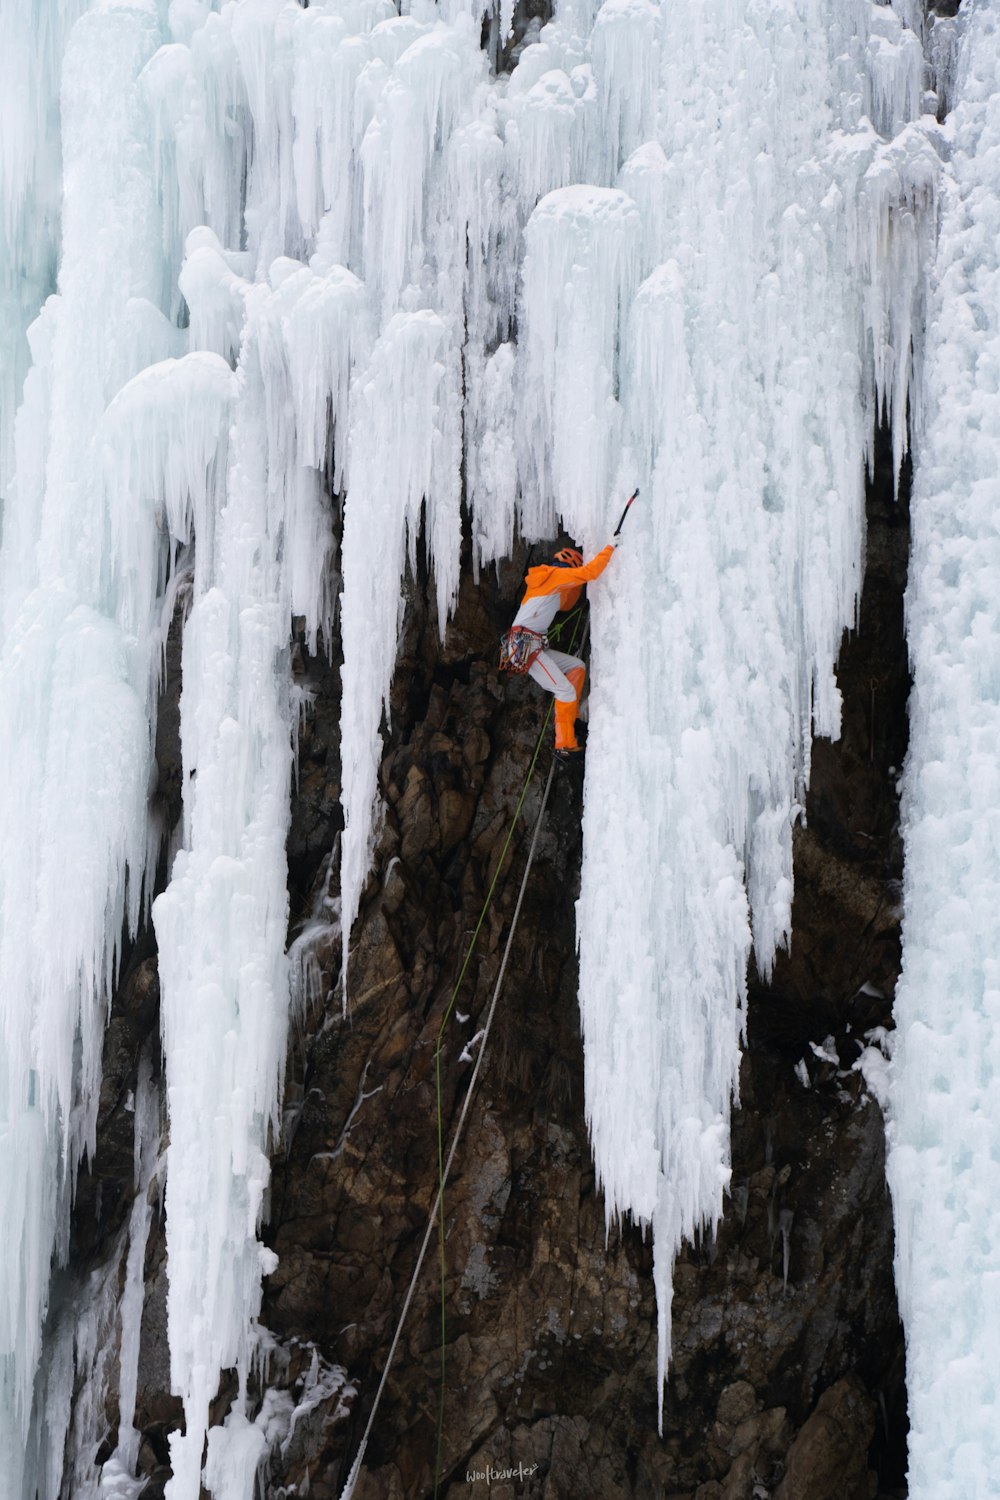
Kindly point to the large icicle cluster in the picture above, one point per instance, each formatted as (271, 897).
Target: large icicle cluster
(944, 1135)
(75, 686)
(709, 328)
(296, 242)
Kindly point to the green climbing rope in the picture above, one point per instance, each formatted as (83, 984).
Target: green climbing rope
(557, 630)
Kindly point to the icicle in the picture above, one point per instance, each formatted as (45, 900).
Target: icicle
(625, 43)
(162, 441)
(579, 272)
(32, 38)
(544, 130)
(898, 203)
(328, 332)
(420, 103)
(405, 455)
(493, 476)
(895, 71)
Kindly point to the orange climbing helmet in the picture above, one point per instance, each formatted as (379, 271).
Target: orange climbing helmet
(568, 557)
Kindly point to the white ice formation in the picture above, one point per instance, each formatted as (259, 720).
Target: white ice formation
(944, 1103)
(322, 258)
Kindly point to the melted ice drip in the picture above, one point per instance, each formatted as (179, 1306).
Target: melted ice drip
(944, 1126)
(708, 228)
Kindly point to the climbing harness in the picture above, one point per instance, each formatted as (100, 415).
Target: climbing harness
(519, 648)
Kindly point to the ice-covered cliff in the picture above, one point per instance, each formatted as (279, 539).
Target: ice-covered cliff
(944, 1111)
(339, 292)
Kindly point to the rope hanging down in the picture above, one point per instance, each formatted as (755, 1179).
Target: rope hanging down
(437, 1211)
(352, 1478)
(575, 620)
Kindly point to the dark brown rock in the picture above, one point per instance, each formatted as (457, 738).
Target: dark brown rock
(828, 1459)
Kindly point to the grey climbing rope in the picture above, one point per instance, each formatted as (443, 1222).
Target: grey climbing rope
(352, 1477)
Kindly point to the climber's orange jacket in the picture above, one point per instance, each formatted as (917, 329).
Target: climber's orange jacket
(551, 588)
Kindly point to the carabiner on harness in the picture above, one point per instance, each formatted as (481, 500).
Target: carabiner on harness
(519, 648)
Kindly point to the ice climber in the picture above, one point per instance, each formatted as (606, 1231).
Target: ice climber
(550, 588)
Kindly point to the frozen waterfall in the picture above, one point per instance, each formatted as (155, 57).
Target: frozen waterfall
(265, 264)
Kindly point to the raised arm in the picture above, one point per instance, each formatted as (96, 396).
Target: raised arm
(570, 577)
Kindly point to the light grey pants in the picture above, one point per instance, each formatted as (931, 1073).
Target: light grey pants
(549, 670)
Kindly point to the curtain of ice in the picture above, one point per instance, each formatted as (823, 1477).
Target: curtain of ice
(341, 116)
(714, 327)
(944, 1131)
(75, 683)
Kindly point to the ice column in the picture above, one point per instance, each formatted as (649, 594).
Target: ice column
(580, 272)
(221, 924)
(75, 755)
(405, 449)
(220, 927)
(944, 1104)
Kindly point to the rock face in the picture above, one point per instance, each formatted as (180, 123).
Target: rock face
(787, 1367)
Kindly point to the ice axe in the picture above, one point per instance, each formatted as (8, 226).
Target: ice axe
(621, 523)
